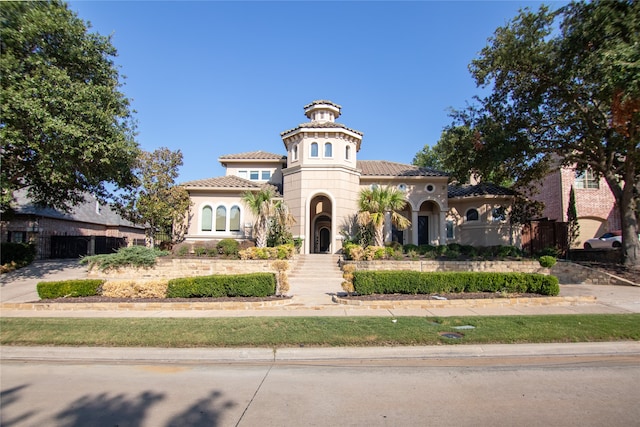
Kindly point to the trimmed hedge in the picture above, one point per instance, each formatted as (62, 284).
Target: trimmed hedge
(415, 282)
(69, 288)
(20, 253)
(235, 285)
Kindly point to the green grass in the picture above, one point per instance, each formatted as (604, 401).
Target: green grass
(314, 331)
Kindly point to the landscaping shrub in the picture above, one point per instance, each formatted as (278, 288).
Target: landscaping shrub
(547, 261)
(135, 289)
(228, 247)
(238, 285)
(281, 266)
(182, 249)
(285, 251)
(20, 254)
(133, 256)
(69, 288)
(415, 282)
(347, 275)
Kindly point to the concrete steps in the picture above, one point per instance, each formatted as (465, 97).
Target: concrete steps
(315, 277)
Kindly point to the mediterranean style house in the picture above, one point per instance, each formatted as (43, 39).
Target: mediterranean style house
(320, 179)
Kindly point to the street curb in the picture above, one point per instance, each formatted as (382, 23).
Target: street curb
(262, 355)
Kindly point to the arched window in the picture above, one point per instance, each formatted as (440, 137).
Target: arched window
(207, 214)
(221, 218)
(347, 152)
(328, 150)
(234, 220)
(314, 149)
(472, 215)
(294, 152)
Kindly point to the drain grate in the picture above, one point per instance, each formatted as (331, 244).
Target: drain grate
(452, 335)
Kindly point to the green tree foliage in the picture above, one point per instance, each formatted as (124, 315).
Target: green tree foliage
(572, 218)
(563, 85)
(280, 225)
(373, 206)
(261, 204)
(66, 128)
(429, 157)
(156, 201)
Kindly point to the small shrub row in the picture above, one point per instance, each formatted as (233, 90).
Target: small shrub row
(228, 248)
(238, 285)
(132, 256)
(356, 252)
(286, 251)
(415, 282)
(134, 289)
(69, 288)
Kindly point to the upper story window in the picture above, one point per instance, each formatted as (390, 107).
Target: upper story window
(472, 215)
(254, 175)
(586, 179)
(265, 175)
(499, 214)
(347, 152)
(314, 149)
(294, 152)
(328, 150)
(402, 187)
(243, 174)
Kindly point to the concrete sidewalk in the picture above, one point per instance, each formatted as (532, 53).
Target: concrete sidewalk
(18, 298)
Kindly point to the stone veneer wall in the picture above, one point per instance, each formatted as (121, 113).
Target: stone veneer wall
(566, 272)
(187, 267)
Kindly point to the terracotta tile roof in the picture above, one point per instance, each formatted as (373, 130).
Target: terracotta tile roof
(222, 182)
(321, 125)
(253, 155)
(482, 189)
(320, 102)
(385, 168)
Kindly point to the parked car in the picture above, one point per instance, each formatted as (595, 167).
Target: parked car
(612, 239)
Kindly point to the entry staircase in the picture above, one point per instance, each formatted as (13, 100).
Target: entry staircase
(315, 278)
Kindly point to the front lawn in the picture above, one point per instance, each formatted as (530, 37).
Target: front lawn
(315, 331)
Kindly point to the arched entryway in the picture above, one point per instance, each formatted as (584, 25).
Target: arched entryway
(321, 224)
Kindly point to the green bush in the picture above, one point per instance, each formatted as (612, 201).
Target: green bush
(217, 286)
(133, 256)
(20, 253)
(415, 282)
(228, 247)
(69, 288)
(547, 261)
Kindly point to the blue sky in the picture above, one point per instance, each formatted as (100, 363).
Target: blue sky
(213, 78)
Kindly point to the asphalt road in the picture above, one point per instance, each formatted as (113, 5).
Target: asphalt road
(505, 390)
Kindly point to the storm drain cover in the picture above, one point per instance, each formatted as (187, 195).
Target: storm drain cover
(454, 335)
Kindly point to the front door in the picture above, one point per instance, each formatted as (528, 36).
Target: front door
(423, 230)
(325, 240)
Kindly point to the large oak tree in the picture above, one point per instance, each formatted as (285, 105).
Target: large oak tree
(562, 84)
(66, 128)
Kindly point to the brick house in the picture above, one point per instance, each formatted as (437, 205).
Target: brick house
(89, 228)
(595, 204)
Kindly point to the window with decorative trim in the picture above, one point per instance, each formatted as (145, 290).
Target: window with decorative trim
(328, 149)
(314, 149)
(472, 215)
(207, 215)
(221, 218)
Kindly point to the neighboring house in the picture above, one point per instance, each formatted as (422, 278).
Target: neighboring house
(320, 179)
(595, 204)
(89, 228)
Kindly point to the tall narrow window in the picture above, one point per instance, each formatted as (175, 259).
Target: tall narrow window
(294, 152)
(314, 149)
(207, 214)
(450, 234)
(234, 220)
(328, 150)
(221, 218)
(347, 152)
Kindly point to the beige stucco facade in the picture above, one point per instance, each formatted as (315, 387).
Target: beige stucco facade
(320, 179)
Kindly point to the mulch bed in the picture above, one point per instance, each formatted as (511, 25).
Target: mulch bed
(448, 296)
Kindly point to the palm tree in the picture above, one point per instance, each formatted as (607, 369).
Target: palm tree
(374, 203)
(260, 203)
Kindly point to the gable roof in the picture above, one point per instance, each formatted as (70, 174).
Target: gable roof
(392, 169)
(91, 211)
(482, 189)
(253, 155)
(320, 125)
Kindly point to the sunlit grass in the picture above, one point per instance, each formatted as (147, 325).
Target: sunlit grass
(315, 331)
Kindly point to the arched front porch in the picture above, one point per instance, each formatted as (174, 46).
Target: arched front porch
(320, 233)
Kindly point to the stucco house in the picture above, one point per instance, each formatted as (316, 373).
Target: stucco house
(320, 178)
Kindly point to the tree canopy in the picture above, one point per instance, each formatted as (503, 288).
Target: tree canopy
(66, 128)
(156, 201)
(375, 203)
(564, 86)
